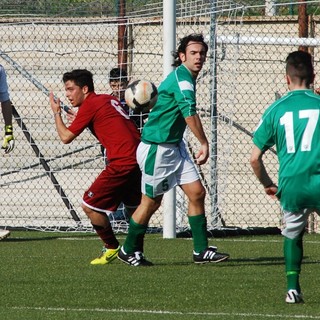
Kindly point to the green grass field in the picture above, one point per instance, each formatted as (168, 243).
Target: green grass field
(48, 276)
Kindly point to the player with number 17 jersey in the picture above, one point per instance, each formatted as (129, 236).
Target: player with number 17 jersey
(293, 124)
(120, 181)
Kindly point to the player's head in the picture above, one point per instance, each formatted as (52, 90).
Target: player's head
(81, 77)
(78, 84)
(186, 46)
(299, 69)
(118, 81)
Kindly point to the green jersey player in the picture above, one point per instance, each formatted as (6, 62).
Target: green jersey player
(292, 124)
(163, 158)
(176, 101)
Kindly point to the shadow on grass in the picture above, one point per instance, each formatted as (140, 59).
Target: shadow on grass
(263, 261)
(256, 261)
(46, 237)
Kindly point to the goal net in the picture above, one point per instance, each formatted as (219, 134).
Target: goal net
(42, 180)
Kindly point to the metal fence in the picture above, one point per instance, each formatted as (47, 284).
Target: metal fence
(42, 181)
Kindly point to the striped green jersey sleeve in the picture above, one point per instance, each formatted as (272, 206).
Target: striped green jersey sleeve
(176, 101)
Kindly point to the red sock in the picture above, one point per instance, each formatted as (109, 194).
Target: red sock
(107, 236)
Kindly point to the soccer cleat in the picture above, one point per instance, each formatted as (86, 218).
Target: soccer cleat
(209, 255)
(4, 234)
(135, 259)
(294, 297)
(107, 255)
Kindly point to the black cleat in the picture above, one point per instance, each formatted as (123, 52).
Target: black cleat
(209, 255)
(135, 259)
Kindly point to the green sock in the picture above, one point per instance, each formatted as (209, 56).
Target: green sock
(136, 232)
(293, 254)
(198, 225)
(293, 281)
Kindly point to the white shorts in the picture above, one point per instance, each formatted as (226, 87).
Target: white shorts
(295, 222)
(163, 167)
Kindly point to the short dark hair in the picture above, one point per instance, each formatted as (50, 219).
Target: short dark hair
(299, 67)
(81, 77)
(194, 37)
(118, 74)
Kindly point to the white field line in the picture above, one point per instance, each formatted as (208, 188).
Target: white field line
(204, 314)
(235, 239)
(280, 240)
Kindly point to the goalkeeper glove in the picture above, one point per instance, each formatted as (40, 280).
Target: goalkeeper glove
(8, 139)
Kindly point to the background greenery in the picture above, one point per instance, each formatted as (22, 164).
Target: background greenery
(47, 276)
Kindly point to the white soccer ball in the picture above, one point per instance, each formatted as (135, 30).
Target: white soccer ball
(141, 95)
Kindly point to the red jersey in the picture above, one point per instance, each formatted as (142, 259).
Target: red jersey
(107, 120)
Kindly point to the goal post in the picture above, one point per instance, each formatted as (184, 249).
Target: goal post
(169, 46)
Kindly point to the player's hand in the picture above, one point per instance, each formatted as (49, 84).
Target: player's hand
(203, 154)
(317, 91)
(54, 103)
(71, 115)
(8, 139)
(271, 191)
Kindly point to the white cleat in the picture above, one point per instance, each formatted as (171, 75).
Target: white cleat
(294, 297)
(4, 234)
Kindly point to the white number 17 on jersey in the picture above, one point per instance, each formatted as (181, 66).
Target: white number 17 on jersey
(287, 121)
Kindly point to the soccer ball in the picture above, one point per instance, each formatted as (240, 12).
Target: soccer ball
(141, 95)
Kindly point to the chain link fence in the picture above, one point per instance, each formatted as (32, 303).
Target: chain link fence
(42, 181)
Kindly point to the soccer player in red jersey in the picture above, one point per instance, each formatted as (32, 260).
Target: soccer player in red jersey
(120, 181)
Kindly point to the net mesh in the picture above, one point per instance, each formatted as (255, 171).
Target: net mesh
(42, 181)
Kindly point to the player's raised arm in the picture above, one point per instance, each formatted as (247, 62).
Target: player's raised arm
(65, 135)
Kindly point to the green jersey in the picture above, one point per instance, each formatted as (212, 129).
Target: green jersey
(176, 101)
(292, 124)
